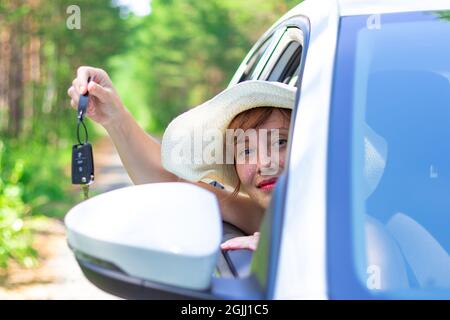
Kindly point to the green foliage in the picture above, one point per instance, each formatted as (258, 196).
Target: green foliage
(34, 168)
(15, 238)
(46, 183)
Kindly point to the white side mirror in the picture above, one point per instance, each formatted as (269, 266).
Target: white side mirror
(165, 232)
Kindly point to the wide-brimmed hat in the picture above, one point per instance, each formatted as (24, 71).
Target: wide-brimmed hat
(179, 147)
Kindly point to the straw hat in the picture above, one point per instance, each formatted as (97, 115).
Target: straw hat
(185, 140)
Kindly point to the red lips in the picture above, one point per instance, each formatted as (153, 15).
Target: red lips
(267, 183)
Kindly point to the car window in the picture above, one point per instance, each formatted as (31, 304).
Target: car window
(287, 64)
(259, 57)
(253, 62)
(278, 58)
(285, 61)
(396, 91)
(284, 65)
(293, 79)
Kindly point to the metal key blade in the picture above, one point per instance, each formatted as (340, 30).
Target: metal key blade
(85, 188)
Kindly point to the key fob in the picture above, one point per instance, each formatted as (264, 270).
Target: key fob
(83, 103)
(82, 164)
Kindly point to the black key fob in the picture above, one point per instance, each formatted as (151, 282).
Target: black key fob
(82, 164)
(82, 105)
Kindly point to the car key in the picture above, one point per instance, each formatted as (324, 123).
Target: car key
(83, 166)
(82, 156)
(85, 188)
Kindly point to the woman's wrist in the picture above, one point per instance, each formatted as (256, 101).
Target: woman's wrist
(117, 121)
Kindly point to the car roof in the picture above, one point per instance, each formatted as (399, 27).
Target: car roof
(367, 7)
(361, 7)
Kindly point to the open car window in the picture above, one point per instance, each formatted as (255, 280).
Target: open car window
(283, 64)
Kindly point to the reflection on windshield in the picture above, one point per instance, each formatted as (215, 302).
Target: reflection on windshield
(445, 15)
(402, 149)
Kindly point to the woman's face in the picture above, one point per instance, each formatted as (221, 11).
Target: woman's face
(265, 157)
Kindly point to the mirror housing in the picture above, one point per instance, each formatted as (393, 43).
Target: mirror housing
(169, 233)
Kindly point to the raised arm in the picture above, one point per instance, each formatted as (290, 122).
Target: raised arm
(141, 153)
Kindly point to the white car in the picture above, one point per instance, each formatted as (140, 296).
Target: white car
(362, 210)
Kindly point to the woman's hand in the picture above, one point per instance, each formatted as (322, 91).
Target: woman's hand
(249, 242)
(104, 106)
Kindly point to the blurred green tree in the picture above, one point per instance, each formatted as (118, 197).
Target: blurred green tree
(38, 59)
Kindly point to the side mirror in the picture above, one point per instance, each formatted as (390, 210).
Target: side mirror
(168, 233)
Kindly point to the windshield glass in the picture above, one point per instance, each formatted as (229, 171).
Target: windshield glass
(401, 148)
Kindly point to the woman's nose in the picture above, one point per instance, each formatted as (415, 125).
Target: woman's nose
(268, 163)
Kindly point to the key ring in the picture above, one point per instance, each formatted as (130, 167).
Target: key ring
(80, 121)
(82, 108)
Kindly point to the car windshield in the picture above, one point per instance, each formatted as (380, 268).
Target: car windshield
(400, 84)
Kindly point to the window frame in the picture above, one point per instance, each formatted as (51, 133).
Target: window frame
(273, 37)
(272, 224)
(280, 37)
(278, 60)
(261, 281)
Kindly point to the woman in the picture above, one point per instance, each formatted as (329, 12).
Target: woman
(261, 107)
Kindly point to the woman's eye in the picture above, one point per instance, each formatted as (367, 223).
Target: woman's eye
(246, 151)
(280, 142)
